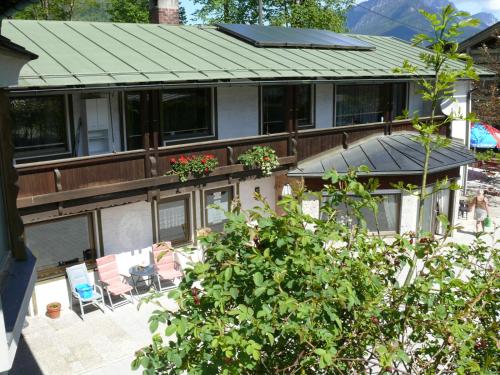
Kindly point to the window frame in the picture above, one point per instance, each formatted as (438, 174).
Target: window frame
(212, 131)
(93, 230)
(187, 212)
(48, 155)
(312, 125)
(229, 188)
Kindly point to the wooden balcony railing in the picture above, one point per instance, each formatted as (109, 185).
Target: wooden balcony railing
(68, 179)
(62, 180)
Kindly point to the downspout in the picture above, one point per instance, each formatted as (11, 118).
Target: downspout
(468, 106)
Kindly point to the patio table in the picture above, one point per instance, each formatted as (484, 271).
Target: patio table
(142, 274)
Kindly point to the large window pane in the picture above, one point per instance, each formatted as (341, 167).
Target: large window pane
(359, 104)
(215, 217)
(186, 113)
(39, 125)
(60, 243)
(362, 104)
(274, 107)
(173, 221)
(133, 120)
(303, 102)
(398, 99)
(388, 214)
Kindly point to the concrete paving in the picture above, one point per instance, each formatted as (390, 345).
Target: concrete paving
(104, 343)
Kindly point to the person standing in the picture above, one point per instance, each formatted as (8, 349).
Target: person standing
(480, 208)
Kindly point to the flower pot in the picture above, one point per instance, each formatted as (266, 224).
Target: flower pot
(54, 310)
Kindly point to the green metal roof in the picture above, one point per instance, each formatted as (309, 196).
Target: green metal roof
(90, 53)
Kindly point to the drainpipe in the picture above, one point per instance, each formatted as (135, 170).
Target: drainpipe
(468, 106)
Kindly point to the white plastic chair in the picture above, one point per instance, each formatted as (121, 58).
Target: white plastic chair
(77, 275)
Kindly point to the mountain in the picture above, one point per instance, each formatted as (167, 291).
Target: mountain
(401, 19)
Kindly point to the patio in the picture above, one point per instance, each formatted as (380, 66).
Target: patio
(104, 343)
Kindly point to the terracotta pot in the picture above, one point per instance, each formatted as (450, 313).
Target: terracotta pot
(54, 310)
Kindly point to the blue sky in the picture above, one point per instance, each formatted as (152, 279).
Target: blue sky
(472, 6)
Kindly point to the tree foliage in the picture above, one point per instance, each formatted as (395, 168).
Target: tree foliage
(486, 100)
(293, 294)
(62, 10)
(322, 14)
(130, 11)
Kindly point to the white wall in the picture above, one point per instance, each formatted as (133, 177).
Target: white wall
(409, 212)
(11, 64)
(238, 111)
(267, 190)
(458, 107)
(127, 231)
(324, 105)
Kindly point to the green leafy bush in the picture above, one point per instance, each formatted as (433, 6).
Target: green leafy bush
(294, 294)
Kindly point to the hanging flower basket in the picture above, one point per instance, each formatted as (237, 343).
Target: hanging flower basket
(196, 165)
(260, 157)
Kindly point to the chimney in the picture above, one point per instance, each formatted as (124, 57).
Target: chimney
(164, 11)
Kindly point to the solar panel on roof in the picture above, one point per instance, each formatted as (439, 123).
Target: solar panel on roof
(277, 36)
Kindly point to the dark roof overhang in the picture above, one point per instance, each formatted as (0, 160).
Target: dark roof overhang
(7, 44)
(390, 155)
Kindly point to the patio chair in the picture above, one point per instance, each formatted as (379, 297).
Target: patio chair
(166, 267)
(113, 283)
(78, 275)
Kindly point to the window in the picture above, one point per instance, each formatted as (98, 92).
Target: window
(173, 220)
(216, 217)
(274, 107)
(39, 125)
(399, 93)
(362, 104)
(133, 120)
(388, 214)
(60, 243)
(186, 113)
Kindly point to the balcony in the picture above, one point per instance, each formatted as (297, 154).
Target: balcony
(55, 182)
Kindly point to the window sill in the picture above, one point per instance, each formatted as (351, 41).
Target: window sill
(189, 140)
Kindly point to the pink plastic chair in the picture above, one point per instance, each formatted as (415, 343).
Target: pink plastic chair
(166, 267)
(112, 282)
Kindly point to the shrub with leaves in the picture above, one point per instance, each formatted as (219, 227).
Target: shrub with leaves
(294, 294)
(261, 157)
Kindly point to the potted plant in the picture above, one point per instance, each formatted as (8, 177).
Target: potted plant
(261, 157)
(54, 310)
(197, 165)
